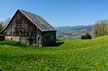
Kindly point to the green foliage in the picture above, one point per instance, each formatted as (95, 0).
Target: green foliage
(73, 55)
(5, 22)
(1, 34)
(13, 43)
(2, 37)
(87, 36)
(1, 27)
(100, 29)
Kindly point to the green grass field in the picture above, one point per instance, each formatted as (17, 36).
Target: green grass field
(73, 55)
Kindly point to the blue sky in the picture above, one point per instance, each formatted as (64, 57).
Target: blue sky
(59, 12)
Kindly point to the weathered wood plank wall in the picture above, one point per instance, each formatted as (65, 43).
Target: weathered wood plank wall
(28, 32)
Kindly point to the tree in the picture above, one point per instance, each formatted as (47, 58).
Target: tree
(86, 36)
(1, 27)
(5, 22)
(100, 29)
(82, 37)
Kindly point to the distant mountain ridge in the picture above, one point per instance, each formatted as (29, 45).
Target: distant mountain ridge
(69, 33)
(61, 29)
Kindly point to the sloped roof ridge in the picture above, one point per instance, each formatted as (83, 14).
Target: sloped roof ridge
(38, 21)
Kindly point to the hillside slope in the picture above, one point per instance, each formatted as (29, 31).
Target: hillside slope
(73, 55)
(61, 29)
(69, 33)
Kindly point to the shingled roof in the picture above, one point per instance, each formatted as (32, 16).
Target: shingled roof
(37, 20)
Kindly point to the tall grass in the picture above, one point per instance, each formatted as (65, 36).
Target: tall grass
(72, 55)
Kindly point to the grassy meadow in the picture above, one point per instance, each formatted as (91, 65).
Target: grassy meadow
(72, 55)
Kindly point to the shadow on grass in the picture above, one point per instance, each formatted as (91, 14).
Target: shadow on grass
(59, 43)
(14, 43)
(54, 45)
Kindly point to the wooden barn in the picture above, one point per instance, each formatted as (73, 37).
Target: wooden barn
(30, 29)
